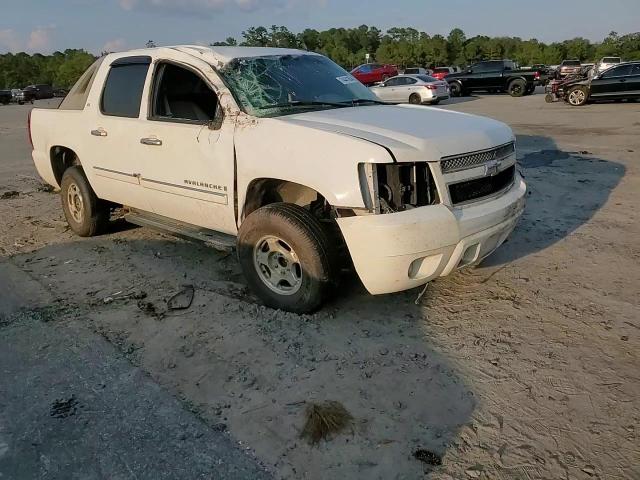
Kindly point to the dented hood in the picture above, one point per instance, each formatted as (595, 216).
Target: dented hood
(410, 132)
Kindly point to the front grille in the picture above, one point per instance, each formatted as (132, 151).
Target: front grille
(481, 187)
(471, 160)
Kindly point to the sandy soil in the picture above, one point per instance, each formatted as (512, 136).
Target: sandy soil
(526, 367)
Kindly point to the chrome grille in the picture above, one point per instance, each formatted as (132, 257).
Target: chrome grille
(471, 160)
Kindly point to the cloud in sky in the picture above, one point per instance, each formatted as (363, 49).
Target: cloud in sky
(38, 40)
(9, 40)
(115, 45)
(208, 7)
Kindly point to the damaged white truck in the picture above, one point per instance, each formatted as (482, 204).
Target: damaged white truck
(284, 155)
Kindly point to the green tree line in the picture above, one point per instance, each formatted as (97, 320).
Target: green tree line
(61, 69)
(405, 46)
(348, 46)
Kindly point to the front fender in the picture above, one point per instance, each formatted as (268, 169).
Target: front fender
(325, 161)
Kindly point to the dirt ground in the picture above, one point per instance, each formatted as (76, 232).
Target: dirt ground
(526, 367)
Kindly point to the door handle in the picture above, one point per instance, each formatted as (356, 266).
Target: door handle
(156, 142)
(99, 132)
(622, 80)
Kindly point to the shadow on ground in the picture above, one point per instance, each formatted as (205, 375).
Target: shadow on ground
(254, 370)
(565, 190)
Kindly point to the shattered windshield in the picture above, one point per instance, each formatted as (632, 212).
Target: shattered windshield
(285, 84)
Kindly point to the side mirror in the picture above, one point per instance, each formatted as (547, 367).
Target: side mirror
(469, 70)
(218, 118)
(380, 84)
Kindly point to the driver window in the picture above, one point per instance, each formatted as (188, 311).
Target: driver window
(182, 96)
(393, 82)
(617, 72)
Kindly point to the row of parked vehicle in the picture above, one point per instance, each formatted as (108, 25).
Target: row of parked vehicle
(418, 85)
(30, 93)
(614, 80)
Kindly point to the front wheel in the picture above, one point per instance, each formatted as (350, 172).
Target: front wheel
(577, 96)
(287, 257)
(86, 214)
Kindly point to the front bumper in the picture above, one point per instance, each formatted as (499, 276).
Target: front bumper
(399, 251)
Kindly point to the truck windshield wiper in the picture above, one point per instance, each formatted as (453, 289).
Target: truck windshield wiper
(302, 103)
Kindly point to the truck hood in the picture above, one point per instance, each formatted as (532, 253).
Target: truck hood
(410, 132)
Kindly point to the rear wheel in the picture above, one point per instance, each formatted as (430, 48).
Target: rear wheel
(86, 214)
(455, 89)
(577, 96)
(415, 99)
(517, 88)
(287, 257)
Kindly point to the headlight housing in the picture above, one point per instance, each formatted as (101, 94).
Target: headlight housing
(395, 187)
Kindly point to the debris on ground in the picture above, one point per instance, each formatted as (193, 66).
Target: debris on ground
(9, 194)
(45, 188)
(150, 309)
(63, 408)
(324, 420)
(428, 457)
(183, 299)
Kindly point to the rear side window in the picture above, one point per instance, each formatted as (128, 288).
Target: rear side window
(611, 60)
(77, 96)
(122, 92)
(427, 78)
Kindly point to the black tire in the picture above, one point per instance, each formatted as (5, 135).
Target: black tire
(435, 102)
(93, 216)
(577, 96)
(517, 87)
(455, 89)
(415, 99)
(548, 98)
(298, 231)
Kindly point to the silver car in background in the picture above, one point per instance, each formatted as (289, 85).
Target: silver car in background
(416, 89)
(606, 63)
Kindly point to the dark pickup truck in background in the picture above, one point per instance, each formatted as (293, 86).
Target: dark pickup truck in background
(5, 96)
(494, 75)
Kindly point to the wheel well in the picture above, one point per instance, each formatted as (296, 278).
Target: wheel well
(61, 159)
(264, 191)
(516, 79)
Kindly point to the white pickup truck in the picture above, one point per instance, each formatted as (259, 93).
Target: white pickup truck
(286, 156)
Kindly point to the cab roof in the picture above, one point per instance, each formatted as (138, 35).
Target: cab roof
(220, 56)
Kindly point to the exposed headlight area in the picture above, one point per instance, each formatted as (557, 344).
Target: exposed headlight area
(396, 187)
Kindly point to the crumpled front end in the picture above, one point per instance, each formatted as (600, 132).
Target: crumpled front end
(479, 198)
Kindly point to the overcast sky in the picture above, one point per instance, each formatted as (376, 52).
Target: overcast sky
(96, 25)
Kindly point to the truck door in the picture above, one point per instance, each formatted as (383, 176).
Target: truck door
(612, 83)
(111, 165)
(186, 146)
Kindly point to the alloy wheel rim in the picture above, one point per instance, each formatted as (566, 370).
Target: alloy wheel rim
(576, 97)
(75, 203)
(277, 265)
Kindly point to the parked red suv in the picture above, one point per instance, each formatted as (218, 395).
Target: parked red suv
(374, 72)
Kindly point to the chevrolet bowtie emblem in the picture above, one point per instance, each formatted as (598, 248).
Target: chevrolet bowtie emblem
(491, 167)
